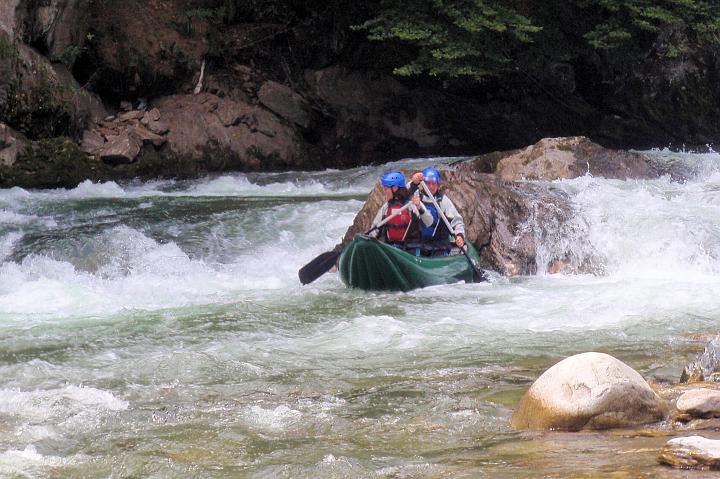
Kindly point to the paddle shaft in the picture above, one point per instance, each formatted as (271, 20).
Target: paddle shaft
(477, 271)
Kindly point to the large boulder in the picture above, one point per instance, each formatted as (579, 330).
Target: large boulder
(589, 390)
(514, 226)
(238, 135)
(42, 99)
(565, 158)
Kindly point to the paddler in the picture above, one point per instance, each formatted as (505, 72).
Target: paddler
(436, 236)
(404, 227)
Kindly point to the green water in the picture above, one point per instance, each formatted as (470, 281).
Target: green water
(159, 330)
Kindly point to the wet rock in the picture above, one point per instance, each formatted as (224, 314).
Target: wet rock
(706, 367)
(699, 402)
(51, 163)
(565, 158)
(516, 227)
(692, 452)
(12, 143)
(589, 390)
(285, 103)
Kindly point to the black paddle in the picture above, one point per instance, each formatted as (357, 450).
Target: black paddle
(322, 264)
(478, 274)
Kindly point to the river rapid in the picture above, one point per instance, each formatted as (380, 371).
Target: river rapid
(159, 330)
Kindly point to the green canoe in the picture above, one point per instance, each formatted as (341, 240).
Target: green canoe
(366, 263)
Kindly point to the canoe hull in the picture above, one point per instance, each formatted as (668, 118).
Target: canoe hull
(371, 265)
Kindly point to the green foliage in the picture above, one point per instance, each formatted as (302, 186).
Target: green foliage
(454, 37)
(624, 21)
(482, 38)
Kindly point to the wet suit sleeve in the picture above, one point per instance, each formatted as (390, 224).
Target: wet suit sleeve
(452, 214)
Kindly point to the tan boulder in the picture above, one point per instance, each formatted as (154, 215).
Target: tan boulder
(565, 158)
(590, 390)
(250, 136)
(92, 141)
(120, 149)
(699, 402)
(692, 452)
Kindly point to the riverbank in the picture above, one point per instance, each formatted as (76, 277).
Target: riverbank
(177, 89)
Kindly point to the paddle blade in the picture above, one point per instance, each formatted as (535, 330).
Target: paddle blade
(478, 275)
(317, 267)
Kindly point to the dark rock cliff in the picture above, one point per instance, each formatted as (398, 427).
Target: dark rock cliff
(285, 86)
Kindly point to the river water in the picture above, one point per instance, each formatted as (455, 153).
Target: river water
(159, 330)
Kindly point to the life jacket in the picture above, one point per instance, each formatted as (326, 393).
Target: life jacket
(437, 232)
(428, 232)
(397, 228)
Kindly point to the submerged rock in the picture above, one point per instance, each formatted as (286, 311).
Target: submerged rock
(589, 390)
(692, 452)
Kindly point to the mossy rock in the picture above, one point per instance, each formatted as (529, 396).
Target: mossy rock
(52, 163)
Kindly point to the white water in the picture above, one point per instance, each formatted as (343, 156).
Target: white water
(167, 318)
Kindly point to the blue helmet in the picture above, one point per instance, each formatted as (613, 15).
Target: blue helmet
(393, 178)
(431, 175)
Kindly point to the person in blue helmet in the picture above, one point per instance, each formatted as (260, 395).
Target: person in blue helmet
(404, 227)
(436, 237)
